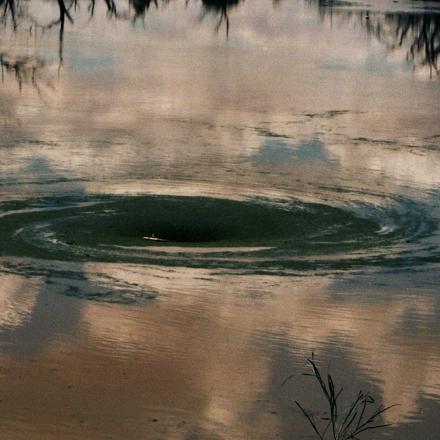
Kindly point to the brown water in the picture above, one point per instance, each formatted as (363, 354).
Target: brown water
(288, 153)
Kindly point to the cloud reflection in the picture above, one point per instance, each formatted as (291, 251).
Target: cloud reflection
(17, 300)
(304, 316)
(416, 32)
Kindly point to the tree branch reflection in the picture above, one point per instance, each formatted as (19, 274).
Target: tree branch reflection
(26, 70)
(10, 8)
(421, 34)
(141, 7)
(416, 32)
(220, 8)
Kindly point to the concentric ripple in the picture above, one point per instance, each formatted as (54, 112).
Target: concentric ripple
(255, 235)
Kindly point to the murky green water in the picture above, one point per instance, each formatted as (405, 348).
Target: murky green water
(195, 196)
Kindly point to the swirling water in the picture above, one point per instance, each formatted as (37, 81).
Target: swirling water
(196, 196)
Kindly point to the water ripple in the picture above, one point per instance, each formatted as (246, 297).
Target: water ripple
(340, 231)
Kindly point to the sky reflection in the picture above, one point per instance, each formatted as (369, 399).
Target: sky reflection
(234, 100)
(200, 366)
(412, 34)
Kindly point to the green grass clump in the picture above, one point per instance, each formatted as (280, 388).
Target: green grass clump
(359, 417)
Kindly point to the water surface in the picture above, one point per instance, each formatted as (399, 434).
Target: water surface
(284, 156)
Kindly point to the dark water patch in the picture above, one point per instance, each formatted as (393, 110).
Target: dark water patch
(194, 221)
(428, 144)
(328, 114)
(41, 142)
(375, 141)
(249, 236)
(41, 181)
(114, 296)
(335, 3)
(270, 134)
(74, 279)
